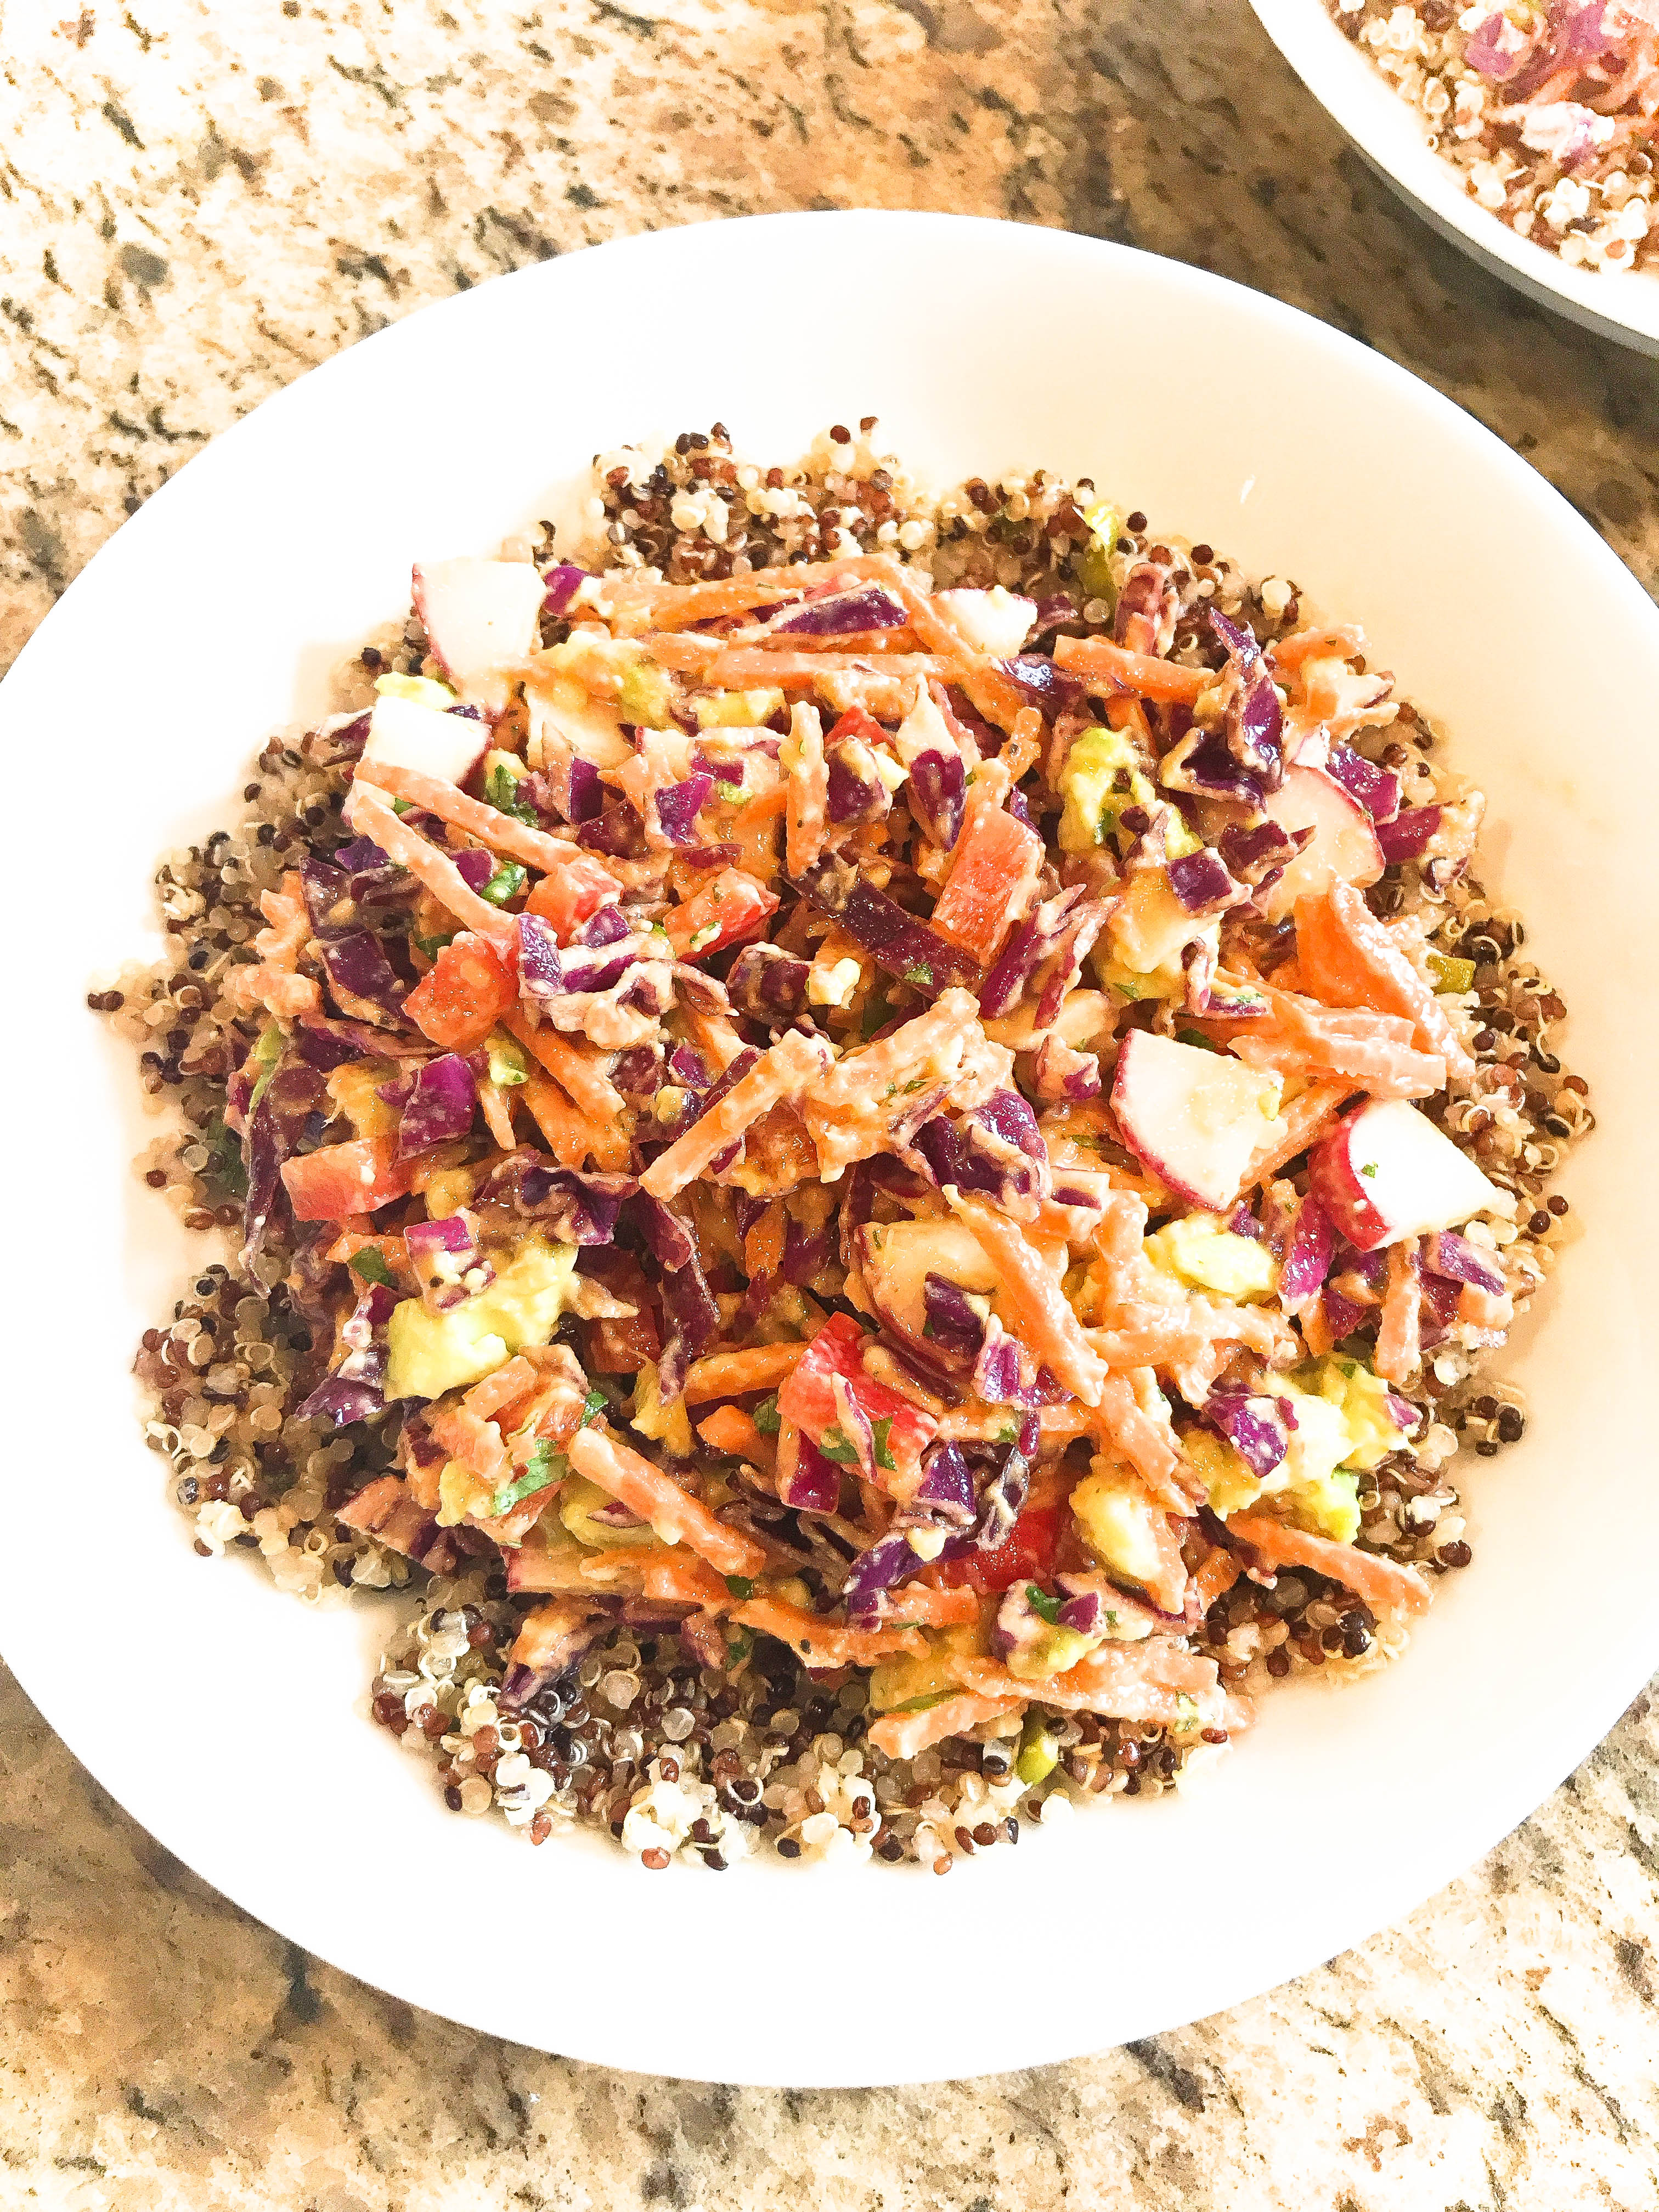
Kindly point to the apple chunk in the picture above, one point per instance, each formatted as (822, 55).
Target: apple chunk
(1343, 847)
(996, 621)
(481, 617)
(406, 734)
(1196, 1118)
(1385, 1172)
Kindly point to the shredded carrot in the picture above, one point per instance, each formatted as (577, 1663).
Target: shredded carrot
(783, 1072)
(902, 1735)
(1381, 1582)
(672, 1577)
(371, 816)
(1031, 1290)
(497, 1107)
(734, 1374)
(733, 1431)
(673, 1512)
(1350, 958)
(552, 855)
(1400, 1331)
(920, 1604)
(573, 1137)
(1142, 672)
(826, 1643)
(1304, 1117)
(578, 1070)
(1154, 1681)
(552, 1634)
(1310, 644)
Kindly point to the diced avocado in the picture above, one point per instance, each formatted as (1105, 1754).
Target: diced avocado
(1365, 1403)
(1148, 929)
(1451, 973)
(428, 1353)
(578, 1502)
(507, 1060)
(599, 662)
(1039, 1751)
(422, 690)
(720, 710)
(448, 1191)
(1089, 785)
(1228, 1482)
(261, 1062)
(354, 1091)
(668, 1425)
(1052, 1653)
(461, 1492)
(896, 1682)
(1117, 1518)
(1200, 1250)
(646, 695)
(1321, 1495)
(1094, 568)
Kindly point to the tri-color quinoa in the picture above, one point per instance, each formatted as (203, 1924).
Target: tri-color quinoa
(705, 1743)
(1551, 110)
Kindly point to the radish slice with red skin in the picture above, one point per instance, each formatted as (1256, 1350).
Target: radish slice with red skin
(1386, 1172)
(402, 733)
(1343, 845)
(1196, 1118)
(481, 618)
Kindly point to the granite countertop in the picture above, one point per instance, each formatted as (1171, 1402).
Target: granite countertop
(198, 204)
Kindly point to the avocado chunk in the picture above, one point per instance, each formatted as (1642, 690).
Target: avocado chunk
(1200, 1250)
(428, 1353)
(1117, 1518)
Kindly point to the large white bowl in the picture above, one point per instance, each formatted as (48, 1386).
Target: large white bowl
(231, 1720)
(1622, 304)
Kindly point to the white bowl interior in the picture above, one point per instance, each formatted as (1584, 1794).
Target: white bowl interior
(231, 1721)
(1622, 304)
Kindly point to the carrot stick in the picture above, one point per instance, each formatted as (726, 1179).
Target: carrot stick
(1381, 1582)
(371, 816)
(574, 1069)
(902, 1735)
(552, 855)
(572, 1135)
(1031, 1290)
(919, 1605)
(1317, 644)
(1304, 1117)
(730, 1431)
(1143, 673)
(734, 1374)
(787, 1068)
(826, 1643)
(673, 1512)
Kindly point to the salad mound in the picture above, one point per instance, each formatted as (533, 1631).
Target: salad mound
(874, 1146)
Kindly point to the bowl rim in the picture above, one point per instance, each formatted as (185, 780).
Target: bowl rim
(1621, 304)
(1509, 1795)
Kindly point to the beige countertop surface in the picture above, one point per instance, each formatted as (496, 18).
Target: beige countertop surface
(196, 203)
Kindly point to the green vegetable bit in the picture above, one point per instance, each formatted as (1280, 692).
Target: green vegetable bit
(500, 790)
(923, 1704)
(507, 1060)
(593, 1405)
(369, 1266)
(1041, 1603)
(432, 946)
(834, 1444)
(883, 1429)
(544, 1468)
(508, 880)
(768, 1419)
(1039, 1751)
(741, 1586)
(1451, 974)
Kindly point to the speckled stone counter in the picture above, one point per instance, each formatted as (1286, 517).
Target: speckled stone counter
(195, 204)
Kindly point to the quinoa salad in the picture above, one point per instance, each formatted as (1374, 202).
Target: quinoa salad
(863, 1151)
(1551, 110)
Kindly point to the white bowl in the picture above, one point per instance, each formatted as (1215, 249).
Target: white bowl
(1622, 304)
(231, 1720)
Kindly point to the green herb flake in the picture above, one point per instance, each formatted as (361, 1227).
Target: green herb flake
(508, 880)
(741, 1586)
(834, 1444)
(593, 1405)
(921, 976)
(1197, 1037)
(738, 1647)
(369, 1266)
(883, 1430)
(543, 1469)
(1041, 1603)
(432, 946)
(921, 1704)
(500, 790)
(1007, 1434)
(1369, 1168)
(731, 792)
(768, 1419)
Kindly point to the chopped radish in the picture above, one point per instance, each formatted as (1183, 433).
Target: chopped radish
(405, 734)
(481, 617)
(1343, 847)
(1385, 1172)
(997, 622)
(1196, 1118)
